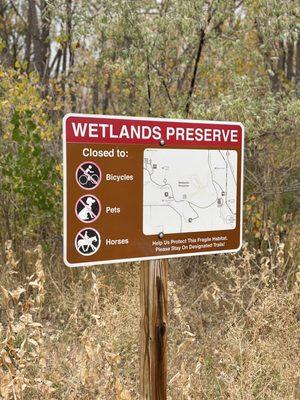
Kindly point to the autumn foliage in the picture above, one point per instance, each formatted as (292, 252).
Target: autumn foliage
(234, 319)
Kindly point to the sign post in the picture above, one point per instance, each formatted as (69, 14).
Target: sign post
(154, 317)
(150, 189)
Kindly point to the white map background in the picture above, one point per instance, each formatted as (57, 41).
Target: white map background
(189, 190)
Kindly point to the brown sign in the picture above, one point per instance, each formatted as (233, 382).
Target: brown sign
(146, 188)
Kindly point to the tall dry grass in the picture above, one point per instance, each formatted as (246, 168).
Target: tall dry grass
(234, 326)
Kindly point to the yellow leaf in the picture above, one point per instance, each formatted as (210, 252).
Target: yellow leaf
(125, 395)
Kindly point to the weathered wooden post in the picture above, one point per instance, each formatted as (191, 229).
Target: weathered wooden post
(154, 310)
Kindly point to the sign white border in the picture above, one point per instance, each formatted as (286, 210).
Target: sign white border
(103, 262)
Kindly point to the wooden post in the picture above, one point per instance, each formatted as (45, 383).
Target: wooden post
(154, 309)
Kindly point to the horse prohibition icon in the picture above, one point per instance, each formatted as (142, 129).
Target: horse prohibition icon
(87, 241)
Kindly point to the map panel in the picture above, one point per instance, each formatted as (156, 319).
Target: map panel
(189, 190)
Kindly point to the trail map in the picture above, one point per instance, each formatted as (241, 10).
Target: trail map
(189, 190)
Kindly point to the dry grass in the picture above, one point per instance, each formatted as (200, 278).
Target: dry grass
(234, 327)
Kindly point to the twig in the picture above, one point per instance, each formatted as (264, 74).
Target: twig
(17, 12)
(196, 65)
(149, 99)
(163, 83)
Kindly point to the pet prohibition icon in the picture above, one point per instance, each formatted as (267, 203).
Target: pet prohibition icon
(88, 175)
(87, 241)
(88, 208)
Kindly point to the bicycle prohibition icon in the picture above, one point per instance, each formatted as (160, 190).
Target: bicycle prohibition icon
(88, 175)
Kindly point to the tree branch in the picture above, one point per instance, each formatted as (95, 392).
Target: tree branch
(163, 83)
(149, 99)
(196, 65)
